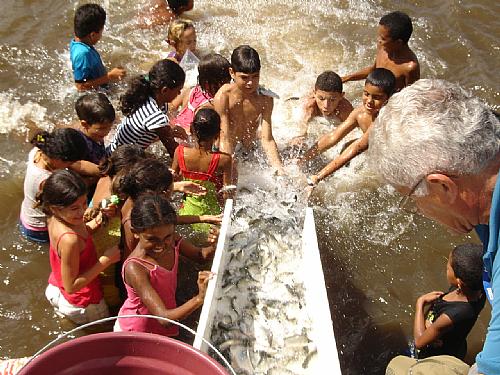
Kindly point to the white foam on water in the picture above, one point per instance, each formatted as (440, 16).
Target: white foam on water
(17, 117)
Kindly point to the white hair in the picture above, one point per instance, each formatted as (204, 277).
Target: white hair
(432, 126)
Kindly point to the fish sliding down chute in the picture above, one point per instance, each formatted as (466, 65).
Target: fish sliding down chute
(266, 309)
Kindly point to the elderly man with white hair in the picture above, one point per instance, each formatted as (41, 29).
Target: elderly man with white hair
(440, 148)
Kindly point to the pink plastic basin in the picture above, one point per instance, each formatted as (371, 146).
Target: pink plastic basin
(123, 353)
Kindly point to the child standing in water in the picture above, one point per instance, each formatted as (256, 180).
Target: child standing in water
(150, 272)
(450, 316)
(51, 151)
(243, 109)
(74, 289)
(213, 73)
(181, 37)
(88, 70)
(202, 165)
(326, 100)
(393, 53)
(379, 87)
(144, 105)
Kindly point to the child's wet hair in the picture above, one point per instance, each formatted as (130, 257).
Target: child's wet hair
(123, 157)
(329, 81)
(64, 144)
(206, 124)
(467, 264)
(95, 108)
(213, 72)
(89, 18)
(399, 25)
(245, 59)
(382, 78)
(176, 28)
(165, 73)
(151, 210)
(61, 189)
(147, 175)
(175, 5)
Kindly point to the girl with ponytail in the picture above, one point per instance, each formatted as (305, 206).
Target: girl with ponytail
(144, 105)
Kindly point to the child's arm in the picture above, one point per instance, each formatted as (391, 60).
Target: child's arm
(180, 101)
(330, 139)
(115, 74)
(361, 74)
(308, 109)
(267, 139)
(423, 336)
(138, 278)
(193, 219)
(221, 104)
(69, 249)
(225, 164)
(167, 139)
(85, 168)
(349, 153)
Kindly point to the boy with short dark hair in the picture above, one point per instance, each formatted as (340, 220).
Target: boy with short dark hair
(393, 52)
(379, 87)
(88, 70)
(326, 100)
(243, 109)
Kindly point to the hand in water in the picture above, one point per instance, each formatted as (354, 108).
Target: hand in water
(189, 187)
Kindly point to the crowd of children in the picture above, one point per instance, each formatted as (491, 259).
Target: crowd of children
(206, 130)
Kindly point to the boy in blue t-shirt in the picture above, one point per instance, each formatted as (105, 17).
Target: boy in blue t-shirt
(88, 70)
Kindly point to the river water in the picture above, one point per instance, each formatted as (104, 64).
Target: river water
(377, 260)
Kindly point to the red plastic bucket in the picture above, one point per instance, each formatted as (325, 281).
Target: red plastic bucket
(123, 353)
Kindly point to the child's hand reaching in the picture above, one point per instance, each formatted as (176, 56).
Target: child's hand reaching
(189, 187)
(203, 278)
(429, 298)
(211, 219)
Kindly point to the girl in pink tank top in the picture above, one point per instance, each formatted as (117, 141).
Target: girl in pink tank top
(73, 283)
(213, 73)
(150, 272)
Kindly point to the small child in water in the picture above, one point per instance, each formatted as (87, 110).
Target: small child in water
(74, 289)
(379, 87)
(326, 100)
(443, 320)
(204, 166)
(213, 73)
(181, 37)
(150, 272)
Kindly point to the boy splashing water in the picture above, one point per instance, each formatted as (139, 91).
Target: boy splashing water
(243, 109)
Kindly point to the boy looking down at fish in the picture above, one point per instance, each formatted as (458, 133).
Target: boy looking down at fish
(379, 87)
(393, 53)
(243, 109)
(326, 100)
(88, 70)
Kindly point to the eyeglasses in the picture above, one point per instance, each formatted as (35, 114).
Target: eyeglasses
(408, 205)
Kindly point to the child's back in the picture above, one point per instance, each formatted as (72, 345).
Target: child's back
(201, 165)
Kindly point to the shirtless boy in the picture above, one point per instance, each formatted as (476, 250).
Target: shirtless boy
(243, 109)
(379, 86)
(326, 100)
(393, 53)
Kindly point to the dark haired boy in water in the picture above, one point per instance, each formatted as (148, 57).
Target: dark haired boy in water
(379, 87)
(161, 12)
(326, 100)
(243, 109)
(393, 53)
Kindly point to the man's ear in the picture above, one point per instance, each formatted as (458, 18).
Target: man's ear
(232, 73)
(443, 187)
(84, 124)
